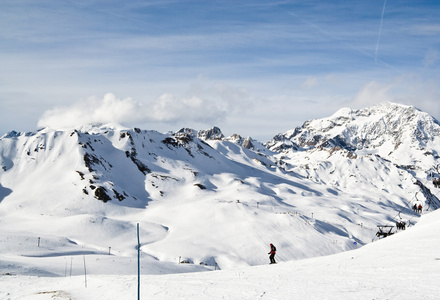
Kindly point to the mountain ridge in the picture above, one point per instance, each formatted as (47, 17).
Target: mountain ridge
(208, 198)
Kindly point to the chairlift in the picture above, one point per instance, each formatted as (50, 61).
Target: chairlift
(384, 231)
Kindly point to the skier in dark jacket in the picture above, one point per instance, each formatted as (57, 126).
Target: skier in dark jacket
(272, 252)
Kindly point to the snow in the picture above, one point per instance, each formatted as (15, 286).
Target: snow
(403, 266)
(207, 211)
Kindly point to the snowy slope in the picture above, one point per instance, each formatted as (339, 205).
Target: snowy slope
(211, 201)
(403, 266)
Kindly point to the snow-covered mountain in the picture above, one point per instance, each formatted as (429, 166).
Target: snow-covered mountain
(209, 200)
(400, 133)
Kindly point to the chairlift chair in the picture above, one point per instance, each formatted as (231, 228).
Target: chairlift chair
(384, 231)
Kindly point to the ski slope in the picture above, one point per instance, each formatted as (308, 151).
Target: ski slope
(403, 266)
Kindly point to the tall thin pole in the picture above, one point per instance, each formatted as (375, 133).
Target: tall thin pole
(139, 264)
(71, 259)
(85, 272)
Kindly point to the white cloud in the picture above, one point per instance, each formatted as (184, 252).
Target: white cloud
(372, 93)
(410, 89)
(205, 102)
(92, 110)
(171, 109)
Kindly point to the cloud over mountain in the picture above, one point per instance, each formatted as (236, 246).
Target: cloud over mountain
(204, 103)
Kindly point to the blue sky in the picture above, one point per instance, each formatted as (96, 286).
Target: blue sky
(256, 68)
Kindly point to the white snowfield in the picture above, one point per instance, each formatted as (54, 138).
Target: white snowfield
(403, 266)
(208, 207)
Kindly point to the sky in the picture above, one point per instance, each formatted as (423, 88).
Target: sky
(255, 68)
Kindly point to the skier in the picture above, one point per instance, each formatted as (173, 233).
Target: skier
(272, 252)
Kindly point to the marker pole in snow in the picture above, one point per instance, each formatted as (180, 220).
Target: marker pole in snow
(85, 272)
(71, 259)
(139, 265)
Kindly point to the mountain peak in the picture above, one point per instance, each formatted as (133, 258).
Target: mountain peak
(211, 134)
(379, 129)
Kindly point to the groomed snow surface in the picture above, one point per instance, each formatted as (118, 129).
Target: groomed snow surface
(403, 266)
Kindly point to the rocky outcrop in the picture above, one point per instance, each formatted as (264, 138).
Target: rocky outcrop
(211, 134)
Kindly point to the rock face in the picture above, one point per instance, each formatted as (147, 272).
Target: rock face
(247, 143)
(210, 134)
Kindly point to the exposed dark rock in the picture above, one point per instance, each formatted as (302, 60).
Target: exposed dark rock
(183, 139)
(187, 131)
(140, 165)
(202, 150)
(91, 160)
(170, 142)
(118, 196)
(351, 155)
(338, 141)
(201, 186)
(247, 143)
(90, 145)
(211, 134)
(407, 167)
(101, 194)
(80, 174)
